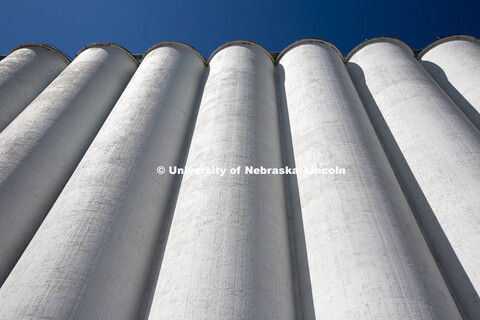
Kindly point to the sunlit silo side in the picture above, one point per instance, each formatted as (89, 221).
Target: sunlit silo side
(24, 73)
(454, 62)
(435, 151)
(367, 258)
(227, 253)
(40, 149)
(92, 256)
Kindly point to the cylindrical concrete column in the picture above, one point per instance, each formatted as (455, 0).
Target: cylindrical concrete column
(367, 258)
(227, 253)
(91, 257)
(24, 73)
(454, 63)
(40, 149)
(435, 151)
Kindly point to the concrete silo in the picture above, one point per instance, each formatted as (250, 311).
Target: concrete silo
(40, 149)
(228, 249)
(92, 256)
(366, 256)
(435, 151)
(454, 63)
(24, 73)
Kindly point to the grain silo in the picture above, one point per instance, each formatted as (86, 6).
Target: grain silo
(454, 63)
(40, 149)
(94, 251)
(435, 151)
(228, 249)
(212, 190)
(362, 240)
(24, 73)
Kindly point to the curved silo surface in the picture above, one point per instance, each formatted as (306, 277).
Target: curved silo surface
(98, 241)
(40, 149)
(228, 252)
(366, 255)
(435, 151)
(24, 73)
(454, 63)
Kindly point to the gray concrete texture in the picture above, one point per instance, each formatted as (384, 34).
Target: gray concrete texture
(228, 249)
(454, 63)
(435, 150)
(90, 230)
(24, 73)
(363, 216)
(106, 221)
(40, 149)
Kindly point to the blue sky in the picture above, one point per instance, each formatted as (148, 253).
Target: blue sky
(205, 25)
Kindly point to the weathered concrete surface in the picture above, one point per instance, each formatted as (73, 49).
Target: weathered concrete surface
(227, 255)
(91, 257)
(367, 258)
(454, 63)
(357, 253)
(40, 149)
(24, 73)
(435, 151)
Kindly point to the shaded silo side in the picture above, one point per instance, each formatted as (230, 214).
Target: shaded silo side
(435, 151)
(92, 255)
(454, 63)
(40, 149)
(366, 256)
(24, 73)
(227, 253)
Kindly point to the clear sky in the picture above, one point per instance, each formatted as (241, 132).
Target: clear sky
(205, 25)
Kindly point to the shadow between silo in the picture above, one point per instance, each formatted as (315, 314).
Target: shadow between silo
(441, 78)
(457, 280)
(301, 271)
(170, 208)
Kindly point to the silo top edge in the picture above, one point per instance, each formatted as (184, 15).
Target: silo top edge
(373, 40)
(44, 46)
(310, 40)
(173, 43)
(232, 43)
(446, 39)
(107, 44)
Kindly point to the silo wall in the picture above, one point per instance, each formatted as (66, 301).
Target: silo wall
(40, 149)
(227, 253)
(92, 256)
(367, 258)
(454, 63)
(24, 73)
(435, 151)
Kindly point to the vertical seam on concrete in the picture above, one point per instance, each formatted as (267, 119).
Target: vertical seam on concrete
(172, 202)
(288, 201)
